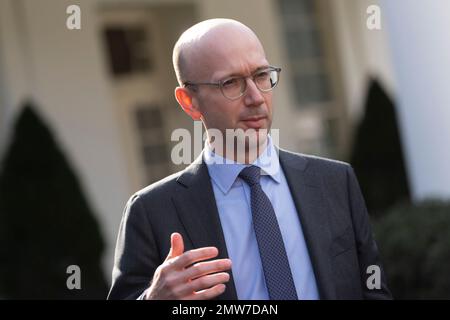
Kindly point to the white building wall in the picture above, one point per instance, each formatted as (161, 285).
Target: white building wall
(420, 47)
(13, 80)
(410, 56)
(71, 88)
(362, 53)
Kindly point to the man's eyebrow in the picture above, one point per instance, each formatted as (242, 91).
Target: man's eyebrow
(261, 68)
(236, 74)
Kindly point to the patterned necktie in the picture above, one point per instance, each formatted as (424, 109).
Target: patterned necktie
(270, 242)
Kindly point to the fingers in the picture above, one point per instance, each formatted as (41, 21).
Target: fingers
(186, 275)
(204, 268)
(203, 283)
(198, 277)
(208, 294)
(192, 256)
(176, 246)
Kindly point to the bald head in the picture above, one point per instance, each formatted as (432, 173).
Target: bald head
(205, 41)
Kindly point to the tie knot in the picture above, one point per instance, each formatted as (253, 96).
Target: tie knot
(251, 175)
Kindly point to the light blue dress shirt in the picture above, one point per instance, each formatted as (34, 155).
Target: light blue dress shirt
(233, 203)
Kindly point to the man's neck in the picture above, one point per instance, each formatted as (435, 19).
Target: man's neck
(240, 152)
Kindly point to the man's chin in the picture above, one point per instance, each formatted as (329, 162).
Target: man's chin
(251, 139)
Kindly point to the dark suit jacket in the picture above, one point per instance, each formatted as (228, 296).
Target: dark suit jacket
(330, 207)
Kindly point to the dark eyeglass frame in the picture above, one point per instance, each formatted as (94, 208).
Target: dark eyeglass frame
(244, 86)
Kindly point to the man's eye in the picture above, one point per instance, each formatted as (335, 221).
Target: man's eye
(262, 75)
(230, 82)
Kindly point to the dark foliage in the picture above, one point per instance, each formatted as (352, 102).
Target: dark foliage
(414, 242)
(377, 155)
(45, 221)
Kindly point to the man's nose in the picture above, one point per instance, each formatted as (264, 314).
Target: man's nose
(253, 96)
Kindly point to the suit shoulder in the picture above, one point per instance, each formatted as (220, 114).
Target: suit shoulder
(329, 171)
(316, 161)
(157, 189)
(327, 162)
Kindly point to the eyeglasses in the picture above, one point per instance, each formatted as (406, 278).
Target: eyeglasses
(233, 88)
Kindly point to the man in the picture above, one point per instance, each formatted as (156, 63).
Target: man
(297, 229)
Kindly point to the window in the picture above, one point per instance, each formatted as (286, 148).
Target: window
(154, 151)
(128, 49)
(303, 39)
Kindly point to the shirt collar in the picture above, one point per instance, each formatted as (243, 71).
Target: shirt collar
(225, 171)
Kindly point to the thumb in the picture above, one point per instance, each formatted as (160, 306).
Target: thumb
(176, 245)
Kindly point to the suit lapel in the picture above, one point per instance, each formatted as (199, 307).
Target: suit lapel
(197, 210)
(307, 195)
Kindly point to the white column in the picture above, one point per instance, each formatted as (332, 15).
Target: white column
(419, 34)
(14, 86)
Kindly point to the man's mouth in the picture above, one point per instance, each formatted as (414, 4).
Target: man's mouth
(255, 122)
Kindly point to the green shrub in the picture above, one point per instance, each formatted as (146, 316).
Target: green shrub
(46, 223)
(414, 242)
(377, 154)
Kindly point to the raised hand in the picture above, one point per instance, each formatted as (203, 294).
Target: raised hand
(186, 276)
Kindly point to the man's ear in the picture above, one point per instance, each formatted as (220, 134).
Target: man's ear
(184, 98)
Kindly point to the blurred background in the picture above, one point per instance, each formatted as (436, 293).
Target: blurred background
(86, 118)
